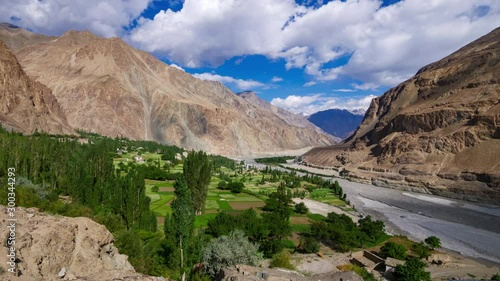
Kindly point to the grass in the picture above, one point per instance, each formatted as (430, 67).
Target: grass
(223, 205)
(300, 228)
(316, 217)
(385, 237)
(202, 220)
(211, 205)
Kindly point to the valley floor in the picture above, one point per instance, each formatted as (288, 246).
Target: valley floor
(471, 229)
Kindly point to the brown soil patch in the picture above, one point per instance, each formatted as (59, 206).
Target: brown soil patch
(166, 189)
(246, 205)
(160, 220)
(300, 220)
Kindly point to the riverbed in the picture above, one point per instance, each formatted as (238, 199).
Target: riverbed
(471, 229)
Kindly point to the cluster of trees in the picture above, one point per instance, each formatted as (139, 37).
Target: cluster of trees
(274, 160)
(268, 229)
(341, 233)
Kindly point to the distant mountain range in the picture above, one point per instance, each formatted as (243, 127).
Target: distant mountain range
(437, 132)
(337, 122)
(108, 87)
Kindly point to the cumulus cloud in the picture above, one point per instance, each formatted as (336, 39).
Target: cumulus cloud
(385, 45)
(308, 105)
(54, 17)
(277, 79)
(240, 83)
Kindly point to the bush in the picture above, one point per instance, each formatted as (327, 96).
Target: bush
(421, 250)
(282, 260)
(301, 208)
(412, 270)
(236, 186)
(308, 245)
(155, 188)
(495, 277)
(393, 250)
(228, 251)
(433, 242)
(222, 185)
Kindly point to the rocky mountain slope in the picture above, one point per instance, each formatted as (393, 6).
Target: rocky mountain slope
(337, 122)
(26, 105)
(292, 119)
(106, 86)
(54, 247)
(437, 132)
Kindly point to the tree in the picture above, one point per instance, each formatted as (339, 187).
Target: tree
(393, 250)
(374, 229)
(433, 242)
(198, 172)
(222, 185)
(495, 277)
(235, 186)
(182, 217)
(301, 208)
(229, 250)
(412, 270)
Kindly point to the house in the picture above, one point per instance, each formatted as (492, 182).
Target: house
(138, 159)
(368, 260)
(390, 264)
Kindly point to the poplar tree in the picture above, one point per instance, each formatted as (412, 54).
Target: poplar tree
(182, 218)
(197, 172)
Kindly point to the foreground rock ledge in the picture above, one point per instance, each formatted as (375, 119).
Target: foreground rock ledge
(61, 248)
(250, 273)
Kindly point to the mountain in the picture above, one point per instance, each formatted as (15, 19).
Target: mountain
(108, 87)
(292, 119)
(437, 132)
(17, 38)
(26, 105)
(337, 122)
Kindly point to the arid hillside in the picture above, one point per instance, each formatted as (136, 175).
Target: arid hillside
(437, 132)
(26, 105)
(108, 87)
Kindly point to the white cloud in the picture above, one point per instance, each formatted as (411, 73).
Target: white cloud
(344, 90)
(365, 86)
(309, 84)
(277, 79)
(386, 44)
(178, 67)
(54, 17)
(308, 105)
(240, 83)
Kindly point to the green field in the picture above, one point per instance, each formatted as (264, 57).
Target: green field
(223, 200)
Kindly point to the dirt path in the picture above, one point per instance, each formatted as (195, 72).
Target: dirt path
(316, 207)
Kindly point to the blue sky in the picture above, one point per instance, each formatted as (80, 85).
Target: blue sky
(303, 55)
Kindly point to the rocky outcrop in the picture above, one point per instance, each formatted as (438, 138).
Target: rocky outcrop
(432, 129)
(108, 87)
(54, 247)
(26, 105)
(249, 273)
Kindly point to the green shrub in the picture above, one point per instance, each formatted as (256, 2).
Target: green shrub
(433, 242)
(301, 208)
(412, 270)
(393, 250)
(229, 250)
(421, 250)
(308, 245)
(495, 277)
(282, 260)
(155, 188)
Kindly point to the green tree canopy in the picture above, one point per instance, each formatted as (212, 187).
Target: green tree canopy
(198, 172)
